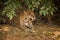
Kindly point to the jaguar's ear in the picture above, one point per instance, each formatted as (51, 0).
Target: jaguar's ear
(24, 11)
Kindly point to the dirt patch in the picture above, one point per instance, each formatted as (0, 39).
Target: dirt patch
(42, 32)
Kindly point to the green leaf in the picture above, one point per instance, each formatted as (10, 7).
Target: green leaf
(32, 8)
(51, 13)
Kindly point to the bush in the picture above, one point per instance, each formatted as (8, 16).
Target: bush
(46, 7)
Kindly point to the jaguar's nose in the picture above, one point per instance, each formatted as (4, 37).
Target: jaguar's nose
(28, 25)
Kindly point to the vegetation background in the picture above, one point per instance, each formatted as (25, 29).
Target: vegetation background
(43, 7)
(47, 22)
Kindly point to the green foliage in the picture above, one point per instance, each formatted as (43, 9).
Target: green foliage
(9, 10)
(46, 7)
(32, 4)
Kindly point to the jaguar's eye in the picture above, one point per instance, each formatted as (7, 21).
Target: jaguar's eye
(30, 19)
(25, 18)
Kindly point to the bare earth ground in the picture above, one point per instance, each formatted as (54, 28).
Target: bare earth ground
(42, 32)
